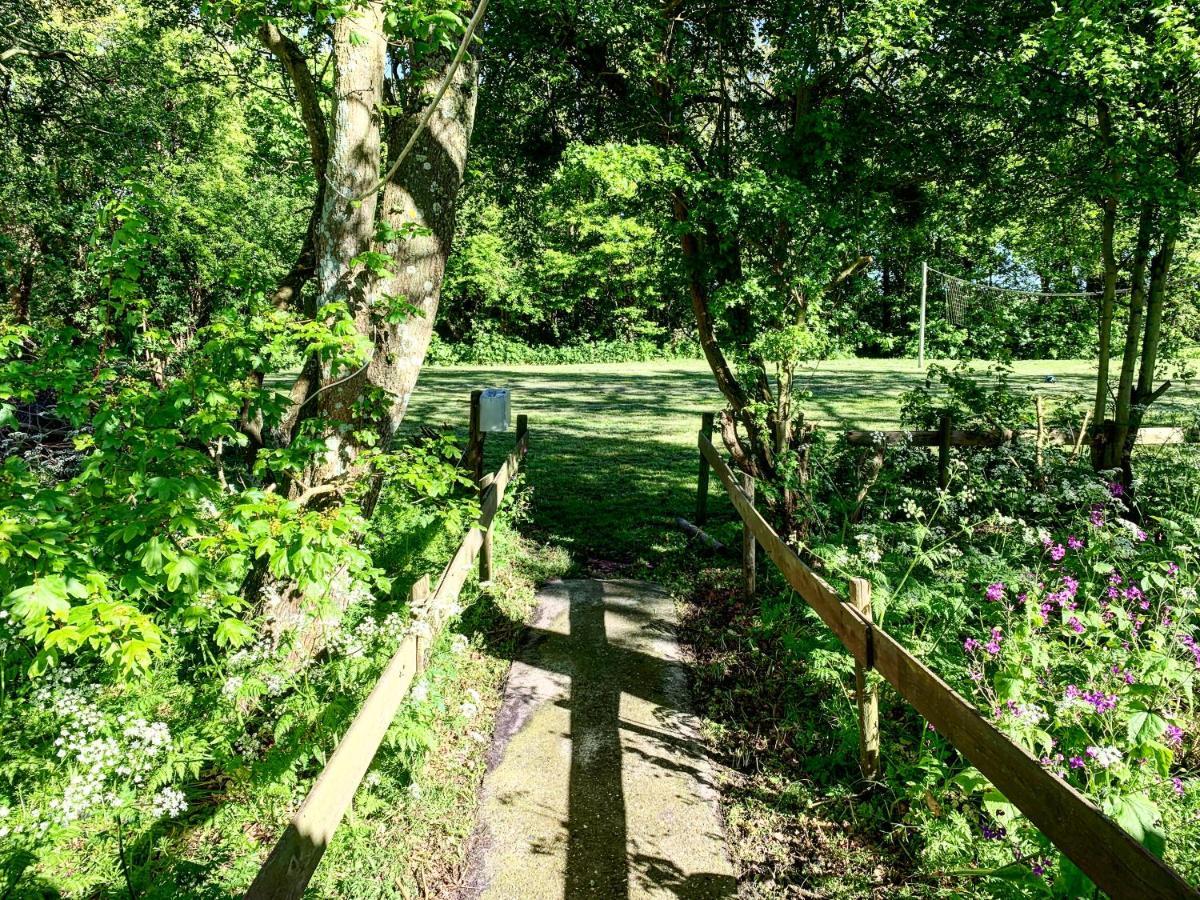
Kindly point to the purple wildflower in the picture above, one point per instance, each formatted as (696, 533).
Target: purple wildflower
(993, 646)
(993, 834)
(1173, 735)
(1057, 552)
(1076, 625)
(995, 591)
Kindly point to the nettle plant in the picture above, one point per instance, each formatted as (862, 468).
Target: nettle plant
(1088, 659)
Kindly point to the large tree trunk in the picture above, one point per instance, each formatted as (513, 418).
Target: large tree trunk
(416, 211)
(348, 219)
(347, 226)
(419, 206)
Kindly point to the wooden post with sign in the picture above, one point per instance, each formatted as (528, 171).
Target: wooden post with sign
(475, 438)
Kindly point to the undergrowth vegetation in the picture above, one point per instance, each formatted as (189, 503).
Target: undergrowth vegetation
(175, 774)
(491, 348)
(1063, 608)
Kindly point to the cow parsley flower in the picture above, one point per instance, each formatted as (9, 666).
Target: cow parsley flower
(169, 802)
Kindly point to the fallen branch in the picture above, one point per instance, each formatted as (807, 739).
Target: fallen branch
(709, 542)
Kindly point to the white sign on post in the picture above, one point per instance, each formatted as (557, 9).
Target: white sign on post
(494, 409)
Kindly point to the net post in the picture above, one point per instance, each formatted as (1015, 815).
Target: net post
(924, 289)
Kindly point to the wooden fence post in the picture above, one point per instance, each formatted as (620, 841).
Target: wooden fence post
(944, 451)
(522, 426)
(1039, 407)
(485, 549)
(475, 440)
(749, 545)
(418, 598)
(706, 429)
(866, 694)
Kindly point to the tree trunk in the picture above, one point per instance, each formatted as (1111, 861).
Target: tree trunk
(348, 219)
(23, 293)
(347, 227)
(1107, 303)
(1113, 449)
(419, 204)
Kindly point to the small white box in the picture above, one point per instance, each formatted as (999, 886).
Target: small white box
(494, 409)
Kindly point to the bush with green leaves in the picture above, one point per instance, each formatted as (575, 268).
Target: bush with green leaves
(105, 776)
(487, 347)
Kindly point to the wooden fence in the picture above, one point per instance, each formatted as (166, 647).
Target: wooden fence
(292, 862)
(1103, 850)
(947, 436)
(960, 438)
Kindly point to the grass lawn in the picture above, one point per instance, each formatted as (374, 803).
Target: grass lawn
(613, 446)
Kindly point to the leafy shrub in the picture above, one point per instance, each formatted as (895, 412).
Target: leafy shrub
(975, 400)
(96, 762)
(491, 348)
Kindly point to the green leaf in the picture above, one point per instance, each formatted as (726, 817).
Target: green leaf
(234, 633)
(1138, 815)
(1146, 726)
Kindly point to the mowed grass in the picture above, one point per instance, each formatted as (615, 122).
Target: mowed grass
(613, 456)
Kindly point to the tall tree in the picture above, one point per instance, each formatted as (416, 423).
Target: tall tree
(389, 147)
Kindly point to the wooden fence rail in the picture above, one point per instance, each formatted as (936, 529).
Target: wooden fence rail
(1103, 850)
(291, 864)
(960, 438)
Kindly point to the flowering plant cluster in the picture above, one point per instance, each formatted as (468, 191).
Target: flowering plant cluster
(1089, 662)
(1062, 603)
(110, 766)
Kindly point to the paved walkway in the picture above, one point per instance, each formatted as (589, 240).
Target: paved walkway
(598, 785)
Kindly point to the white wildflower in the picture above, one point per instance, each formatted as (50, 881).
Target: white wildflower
(168, 802)
(1105, 756)
(420, 692)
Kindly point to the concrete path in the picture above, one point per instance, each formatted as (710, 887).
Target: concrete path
(598, 785)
